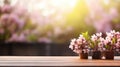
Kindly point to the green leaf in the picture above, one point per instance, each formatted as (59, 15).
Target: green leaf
(32, 37)
(113, 40)
(87, 37)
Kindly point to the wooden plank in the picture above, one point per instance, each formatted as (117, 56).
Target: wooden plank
(55, 61)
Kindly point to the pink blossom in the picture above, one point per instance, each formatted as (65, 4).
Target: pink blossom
(13, 18)
(81, 37)
(97, 41)
(99, 34)
(113, 12)
(11, 22)
(117, 34)
(101, 39)
(73, 41)
(117, 45)
(79, 45)
(20, 11)
(85, 50)
(8, 19)
(37, 18)
(94, 37)
(17, 38)
(76, 47)
(109, 35)
(94, 5)
(112, 40)
(21, 23)
(106, 42)
(112, 32)
(6, 9)
(77, 51)
(108, 38)
(100, 46)
(81, 40)
(118, 40)
(99, 17)
(102, 25)
(71, 47)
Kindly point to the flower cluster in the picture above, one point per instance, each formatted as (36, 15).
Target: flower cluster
(97, 42)
(18, 23)
(102, 21)
(112, 40)
(10, 22)
(79, 45)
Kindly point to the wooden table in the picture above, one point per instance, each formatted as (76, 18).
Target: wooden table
(55, 61)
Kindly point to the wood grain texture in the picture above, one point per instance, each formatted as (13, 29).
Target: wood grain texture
(55, 61)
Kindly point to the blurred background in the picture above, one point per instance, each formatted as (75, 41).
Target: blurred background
(45, 27)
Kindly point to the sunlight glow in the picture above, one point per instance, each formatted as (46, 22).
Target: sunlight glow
(63, 3)
(50, 6)
(47, 7)
(106, 1)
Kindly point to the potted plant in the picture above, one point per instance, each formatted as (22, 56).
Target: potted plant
(80, 46)
(96, 45)
(111, 42)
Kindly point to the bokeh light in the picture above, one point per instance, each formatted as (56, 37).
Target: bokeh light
(60, 20)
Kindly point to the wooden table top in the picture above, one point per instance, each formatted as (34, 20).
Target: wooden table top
(55, 61)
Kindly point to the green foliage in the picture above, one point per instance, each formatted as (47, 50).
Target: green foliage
(32, 38)
(86, 35)
(113, 40)
(92, 44)
(29, 25)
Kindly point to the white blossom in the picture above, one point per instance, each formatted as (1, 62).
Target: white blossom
(99, 34)
(94, 37)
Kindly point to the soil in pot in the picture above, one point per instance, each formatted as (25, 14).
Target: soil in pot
(109, 55)
(96, 55)
(83, 55)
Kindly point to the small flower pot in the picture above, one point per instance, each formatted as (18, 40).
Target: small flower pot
(96, 55)
(83, 55)
(109, 55)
